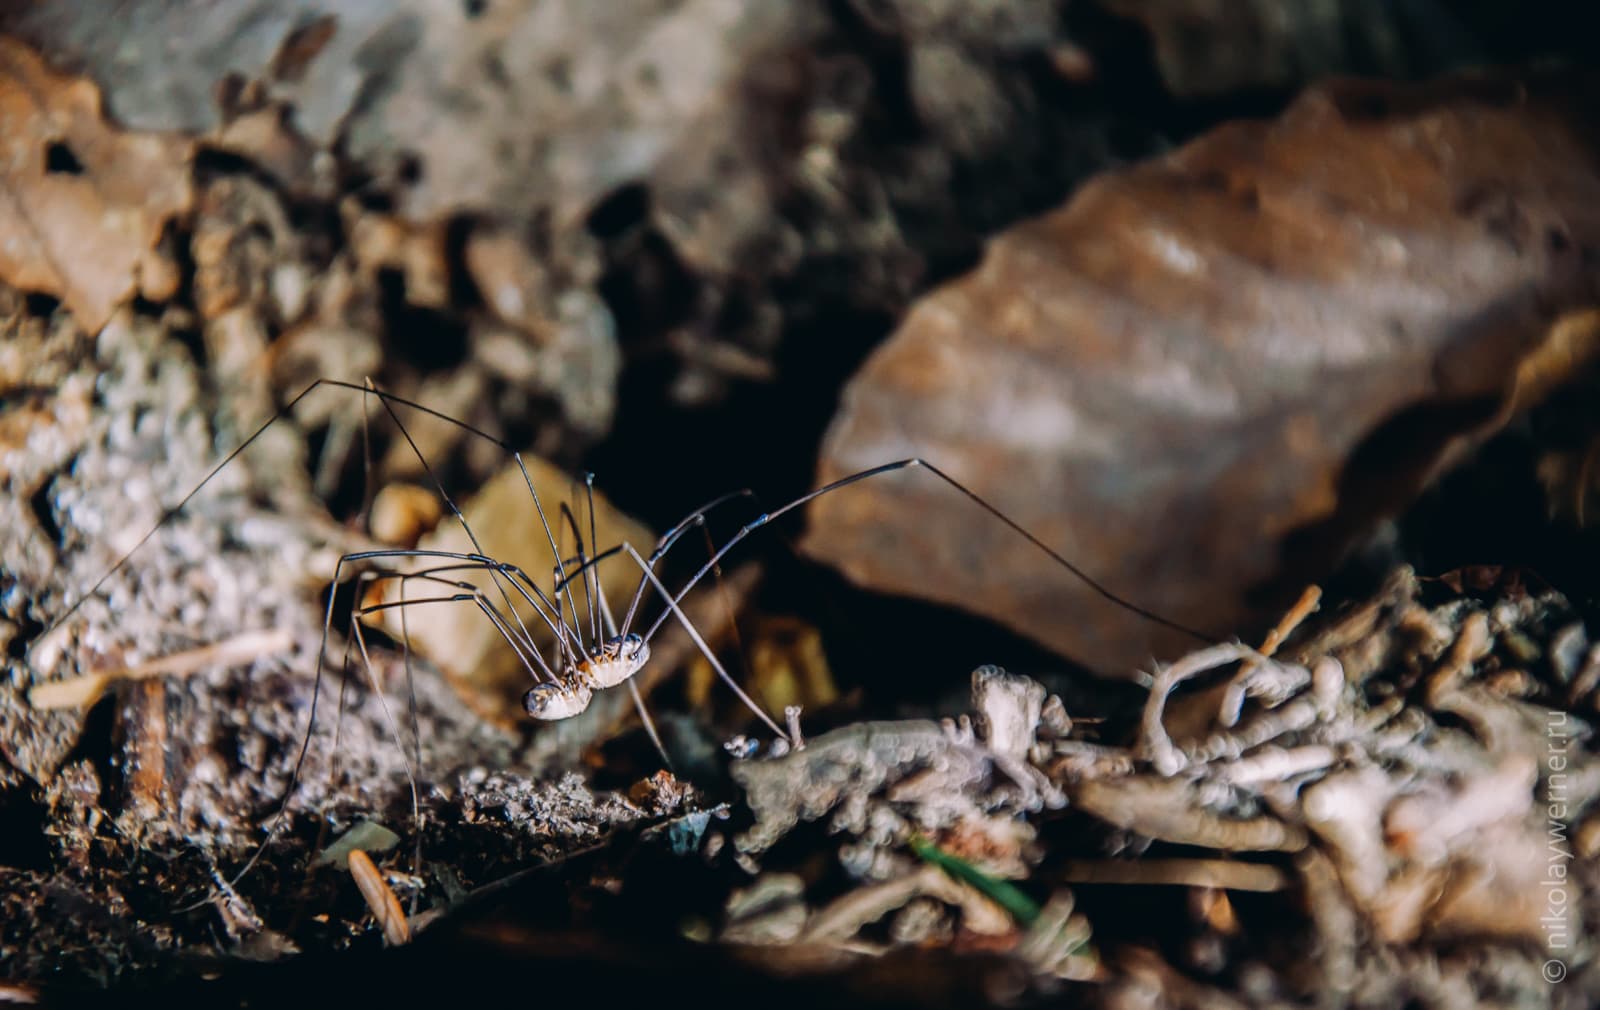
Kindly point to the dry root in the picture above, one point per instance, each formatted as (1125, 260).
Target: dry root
(1429, 784)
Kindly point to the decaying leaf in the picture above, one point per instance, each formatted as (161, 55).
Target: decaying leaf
(82, 204)
(1205, 378)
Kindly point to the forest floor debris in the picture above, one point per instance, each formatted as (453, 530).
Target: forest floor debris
(1416, 801)
(1395, 805)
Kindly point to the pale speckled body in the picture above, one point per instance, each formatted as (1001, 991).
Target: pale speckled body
(608, 665)
(557, 701)
(614, 662)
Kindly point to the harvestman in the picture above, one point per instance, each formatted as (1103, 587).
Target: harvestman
(613, 652)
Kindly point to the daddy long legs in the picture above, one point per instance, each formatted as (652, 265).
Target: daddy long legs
(589, 648)
(574, 658)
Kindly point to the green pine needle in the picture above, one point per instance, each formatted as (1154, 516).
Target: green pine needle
(1002, 892)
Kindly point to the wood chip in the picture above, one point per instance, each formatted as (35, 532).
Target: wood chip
(380, 898)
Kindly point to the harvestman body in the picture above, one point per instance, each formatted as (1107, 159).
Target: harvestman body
(607, 666)
(593, 655)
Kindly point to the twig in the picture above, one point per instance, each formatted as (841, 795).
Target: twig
(380, 898)
(85, 690)
(1224, 873)
(1233, 699)
(1303, 608)
(844, 916)
(791, 715)
(1166, 808)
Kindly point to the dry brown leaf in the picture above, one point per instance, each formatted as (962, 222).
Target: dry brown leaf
(82, 203)
(1206, 377)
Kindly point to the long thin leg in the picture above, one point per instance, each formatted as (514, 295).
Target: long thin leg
(338, 715)
(565, 641)
(388, 717)
(663, 544)
(700, 643)
(472, 594)
(560, 588)
(456, 512)
(405, 631)
(593, 585)
(728, 609)
(389, 400)
(368, 492)
(571, 522)
(633, 689)
(1083, 576)
(475, 595)
(282, 812)
(519, 580)
(416, 739)
(532, 658)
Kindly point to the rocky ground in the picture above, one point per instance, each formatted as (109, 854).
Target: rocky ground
(1210, 326)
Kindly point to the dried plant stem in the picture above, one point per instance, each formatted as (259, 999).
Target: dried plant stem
(85, 690)
(1224, 873)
